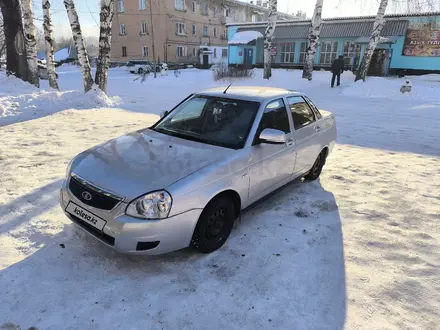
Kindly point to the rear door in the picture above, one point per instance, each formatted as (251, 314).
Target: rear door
(270, 165)
(306, 134)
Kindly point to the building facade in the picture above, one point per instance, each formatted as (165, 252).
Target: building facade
(409, 43)
(178, 31)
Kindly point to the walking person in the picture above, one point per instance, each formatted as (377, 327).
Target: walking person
(337, 70)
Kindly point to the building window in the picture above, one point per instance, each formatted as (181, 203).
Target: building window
(224, 52)
(194, 51)
(204, 9)
(215, 32)
(254, 18)
(122, 30)
(121, 6)
(124, 51)
(214, 11)
(227, 12)
(144, 29)
(144, 51)
(225, 34)
(194, 29)
(351, 50)
(194, 6)
(215, 52)
(179, 4)
(142, 4)
(287, 52)
(181, 51)
(303, 52)
(205, 31)
(329, 52)
(181, 29)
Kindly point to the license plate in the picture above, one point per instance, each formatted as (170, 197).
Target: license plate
(85, 216)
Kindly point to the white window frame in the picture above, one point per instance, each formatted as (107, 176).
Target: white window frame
(181, 51)
(122, 30)
(142, 4)
(303, 52)
(215, 53)
(144, 51)
(351, 50)
(225, 34)
(179, 5)
(328, 55)
(214, 11)
(194, 6)
(205, 28)
(194, 29)
(204, 9)
(144, 28)
(121, 6)
(224, 52)
(287, 54)
(180, 28)
(227, 12)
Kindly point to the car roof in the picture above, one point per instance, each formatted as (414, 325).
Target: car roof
(249, 93)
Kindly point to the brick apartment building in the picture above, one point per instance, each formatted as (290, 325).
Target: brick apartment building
(179, 31)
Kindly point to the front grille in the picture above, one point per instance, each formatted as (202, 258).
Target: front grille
(97, 199)
(92, 230)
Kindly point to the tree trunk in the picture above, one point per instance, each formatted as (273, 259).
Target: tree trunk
(13, 29)
(30, 43)
(314, 32)
(105, 38)
(47, 26)
(268, 38)
(79, 44)
(374, 40)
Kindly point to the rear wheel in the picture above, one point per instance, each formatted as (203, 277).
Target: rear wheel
(140, 71)
(316, 170)
(214, 225)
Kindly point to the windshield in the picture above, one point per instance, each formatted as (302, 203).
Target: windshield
(213, 120)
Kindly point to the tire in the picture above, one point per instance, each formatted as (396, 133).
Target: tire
(214, 225)
(316, 170)
(140, 71)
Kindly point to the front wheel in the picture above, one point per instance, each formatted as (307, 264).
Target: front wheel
(141, 71)
(316, 170)
(214, 226)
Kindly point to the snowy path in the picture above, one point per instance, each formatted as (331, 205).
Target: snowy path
(359, 249)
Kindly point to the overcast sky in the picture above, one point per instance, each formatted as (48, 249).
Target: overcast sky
(88, 11)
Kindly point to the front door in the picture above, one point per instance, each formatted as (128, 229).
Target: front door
(248, 57)
(306, 129)
(205, 61)
(271, 165)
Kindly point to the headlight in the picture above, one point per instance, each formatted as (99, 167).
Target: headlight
(69, 168)
(155, 205)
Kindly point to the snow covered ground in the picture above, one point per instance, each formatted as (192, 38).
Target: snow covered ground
(358, 249)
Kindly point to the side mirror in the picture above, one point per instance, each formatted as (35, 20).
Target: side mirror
(163, 114)
(270, 135)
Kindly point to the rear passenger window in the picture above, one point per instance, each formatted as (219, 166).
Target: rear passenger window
(275, 116)
(301, 112)
(313, 106)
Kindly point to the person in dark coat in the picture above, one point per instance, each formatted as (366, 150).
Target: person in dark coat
(337, 69)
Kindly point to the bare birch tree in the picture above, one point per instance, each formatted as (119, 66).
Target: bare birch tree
(48, 37)
(379, 22)
(268, 38)
(30, 42)
(79, 44)
(105, 37)
(314, 32)
(13, 30)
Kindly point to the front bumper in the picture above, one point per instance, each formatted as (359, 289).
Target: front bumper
(124, 233)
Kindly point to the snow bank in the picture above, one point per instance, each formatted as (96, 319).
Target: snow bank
(379, 87)
(21, 101)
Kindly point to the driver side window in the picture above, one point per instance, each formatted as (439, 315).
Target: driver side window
(276, 117)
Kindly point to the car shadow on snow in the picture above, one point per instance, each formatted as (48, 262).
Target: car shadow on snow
(282, 267)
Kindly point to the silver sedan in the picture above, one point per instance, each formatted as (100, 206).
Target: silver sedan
(186, 179)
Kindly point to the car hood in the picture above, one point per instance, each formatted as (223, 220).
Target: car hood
(144, 161)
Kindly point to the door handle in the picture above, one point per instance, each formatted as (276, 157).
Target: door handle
(290, 142)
